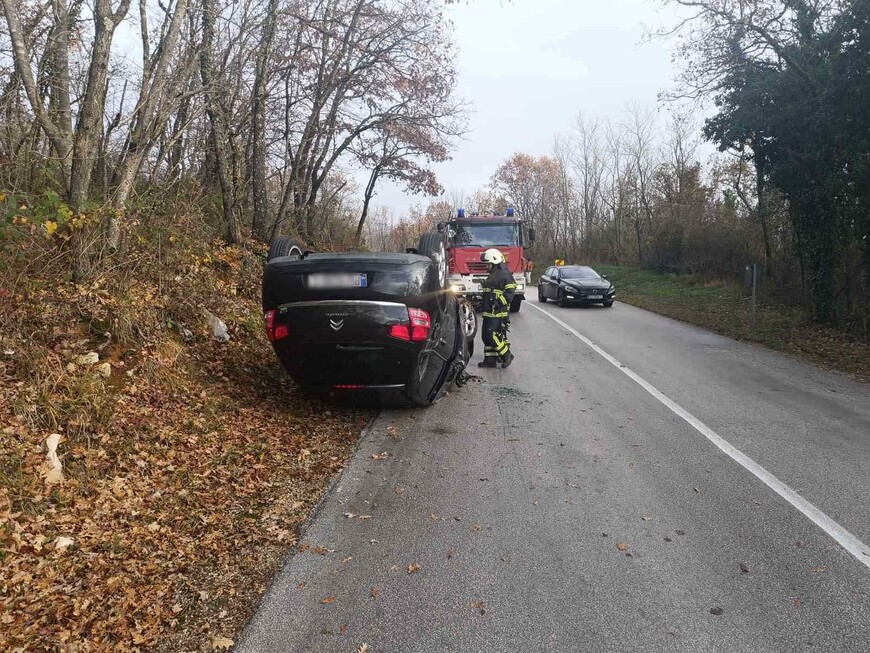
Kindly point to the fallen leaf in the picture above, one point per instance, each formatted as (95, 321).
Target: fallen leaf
(320, 550)
(297, 505)
(347, 559)
(375, 592)
(362, 648)
(697, 490)
(646, 518)
(392, 431)
(329, 600)
(413, 568)
(680, 532)
(817, 570)
(476, 528)
(221, 643)
(796, 601)
(622, 546)
(342, 629)
(55, 467)
(380, 456)
(478, 605)
(63, 543)
(744, 568)
(399, 490)
(716, 611)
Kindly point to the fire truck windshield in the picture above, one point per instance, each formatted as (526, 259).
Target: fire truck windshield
(486, 235)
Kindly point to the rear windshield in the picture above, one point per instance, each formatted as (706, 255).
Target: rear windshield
(486, 235)
(579, 273)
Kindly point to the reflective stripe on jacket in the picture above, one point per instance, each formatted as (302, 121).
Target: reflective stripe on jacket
(498, 292)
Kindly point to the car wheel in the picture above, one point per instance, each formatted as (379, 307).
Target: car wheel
(607, 304)
(468, 318)
(541, 297)
(284, 246)
(560, 299)
(432, 245)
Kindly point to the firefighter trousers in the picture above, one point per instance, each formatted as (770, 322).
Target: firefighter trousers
(495, 342)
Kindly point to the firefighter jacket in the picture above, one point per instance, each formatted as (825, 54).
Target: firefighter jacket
(498, 292)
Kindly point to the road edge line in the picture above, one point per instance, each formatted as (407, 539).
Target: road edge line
(854, 546)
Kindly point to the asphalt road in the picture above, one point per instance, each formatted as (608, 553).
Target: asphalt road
(561, 505)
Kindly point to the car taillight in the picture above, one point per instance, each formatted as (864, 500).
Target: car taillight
(420, 324)
(274, 332)
(418, 329)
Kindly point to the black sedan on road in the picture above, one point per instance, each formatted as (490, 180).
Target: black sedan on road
(575, 284)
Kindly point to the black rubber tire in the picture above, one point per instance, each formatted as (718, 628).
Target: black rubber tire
(284, 246)
(516, 304)
(434, 246)
(560, 299)
(541, 297)
(607, 304)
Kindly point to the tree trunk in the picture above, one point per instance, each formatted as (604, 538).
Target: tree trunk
(762, 211)
(89, 125)
(367, 198)
(219, 129)
(260, 203)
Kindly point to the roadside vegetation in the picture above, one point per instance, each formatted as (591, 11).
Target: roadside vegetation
(723, 306)
(185, 457)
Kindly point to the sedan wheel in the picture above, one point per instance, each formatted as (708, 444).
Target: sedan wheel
(560, 299)
(608, 304)
(541, 297)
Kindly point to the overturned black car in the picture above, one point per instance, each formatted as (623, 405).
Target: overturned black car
(366, 327)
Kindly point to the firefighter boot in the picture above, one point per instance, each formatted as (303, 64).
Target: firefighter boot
(507, 359)
(489, 361)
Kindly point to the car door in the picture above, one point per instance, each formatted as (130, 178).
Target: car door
(545, 283)
(554, 284)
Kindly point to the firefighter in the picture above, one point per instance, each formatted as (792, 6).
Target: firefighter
(498, 291)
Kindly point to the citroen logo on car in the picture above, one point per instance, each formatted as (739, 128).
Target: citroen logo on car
(336, 324)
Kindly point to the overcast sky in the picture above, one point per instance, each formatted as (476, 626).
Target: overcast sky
(530, 66)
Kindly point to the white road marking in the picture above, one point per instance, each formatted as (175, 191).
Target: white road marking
(844, 538)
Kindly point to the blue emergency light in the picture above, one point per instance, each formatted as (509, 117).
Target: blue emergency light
(510, 212)
(460, 213)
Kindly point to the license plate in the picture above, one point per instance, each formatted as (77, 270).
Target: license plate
(596, 296)
(337, 280)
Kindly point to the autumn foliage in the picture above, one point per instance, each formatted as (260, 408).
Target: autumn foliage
(187, 463)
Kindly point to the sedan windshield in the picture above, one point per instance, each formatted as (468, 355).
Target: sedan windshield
(486, 235)
(579, 273)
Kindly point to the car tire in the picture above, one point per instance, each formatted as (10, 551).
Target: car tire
(516, 304)
(607, 304)
(433, 245)
(541, 297)
(560, 299)
(284, 246)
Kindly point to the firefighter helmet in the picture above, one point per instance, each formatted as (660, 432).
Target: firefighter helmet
(493, 256)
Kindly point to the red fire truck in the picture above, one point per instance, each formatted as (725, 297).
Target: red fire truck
(467, 236)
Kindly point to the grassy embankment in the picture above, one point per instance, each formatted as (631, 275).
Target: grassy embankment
(722, 306)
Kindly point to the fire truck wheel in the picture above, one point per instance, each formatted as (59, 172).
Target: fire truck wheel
(432, 245)
(284, 246)
(516, 303)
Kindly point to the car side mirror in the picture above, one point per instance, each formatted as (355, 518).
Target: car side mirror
(531, 236)
(604, 276)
